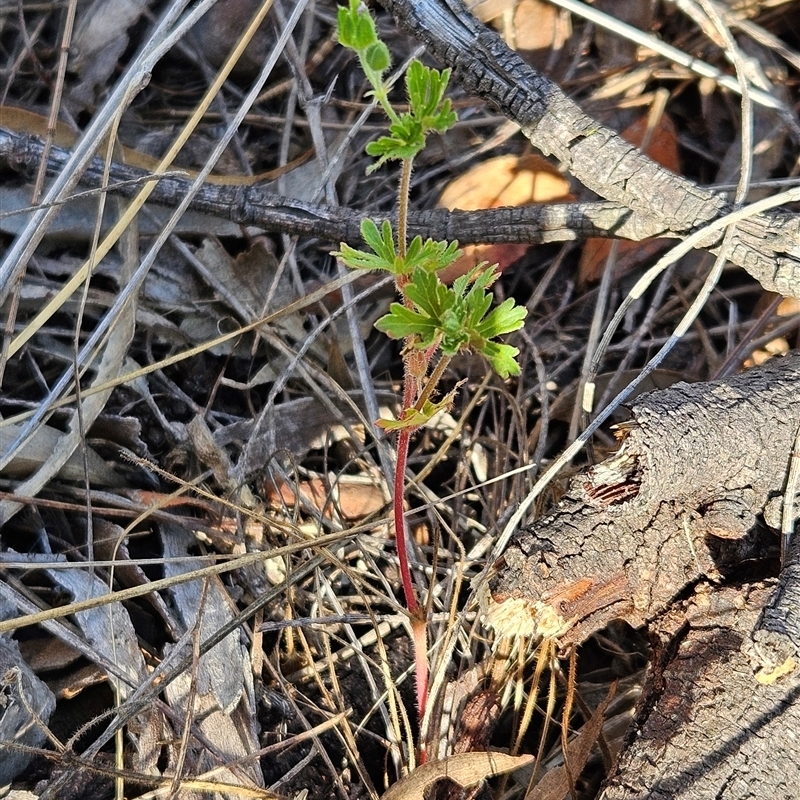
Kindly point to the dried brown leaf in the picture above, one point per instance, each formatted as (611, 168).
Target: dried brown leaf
(503, 181)
(465, 769)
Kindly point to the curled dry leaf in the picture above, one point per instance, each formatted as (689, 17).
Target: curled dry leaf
(101, 36)
(465, 769)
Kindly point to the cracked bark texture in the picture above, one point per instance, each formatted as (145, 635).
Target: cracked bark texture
(597, 156)
(692, 498)
(694, 491)
(706, 728)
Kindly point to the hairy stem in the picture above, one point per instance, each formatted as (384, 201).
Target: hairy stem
(403, 439)
(402, 211)
(430, 384)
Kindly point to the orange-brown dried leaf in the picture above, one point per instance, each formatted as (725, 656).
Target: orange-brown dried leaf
(352, 500)
(779, 345)
(502, 181)
(506, 181)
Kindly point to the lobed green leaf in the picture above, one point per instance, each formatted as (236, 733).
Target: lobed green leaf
(430, 255)
(403, 323)
(426, 88)
(502, 357)
(506, 318)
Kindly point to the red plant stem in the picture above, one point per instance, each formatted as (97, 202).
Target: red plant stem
(403, 439)
(415, 366)
(415, 610)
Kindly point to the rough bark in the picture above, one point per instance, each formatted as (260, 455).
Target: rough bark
(692, 498)
(707, 728)
(597, 156)
(774, 644)
(693, 492)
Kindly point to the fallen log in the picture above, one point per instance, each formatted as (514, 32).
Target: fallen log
(692, 498)
(705, 727)
(694, 491)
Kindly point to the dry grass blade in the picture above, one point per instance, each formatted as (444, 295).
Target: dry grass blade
(560, 782)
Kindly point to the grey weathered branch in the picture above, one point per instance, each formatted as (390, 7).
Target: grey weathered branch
(597, 156)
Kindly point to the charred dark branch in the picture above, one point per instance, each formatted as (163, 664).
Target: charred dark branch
(252, 205)
(757, 247)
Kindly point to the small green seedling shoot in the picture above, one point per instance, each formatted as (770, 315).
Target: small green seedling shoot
(435, 321)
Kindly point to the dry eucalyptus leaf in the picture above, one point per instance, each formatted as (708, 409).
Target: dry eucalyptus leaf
(503, 181)
(534, 28)
(351, 497)
(220, 685)
(243, 282)
(107, 629)
(111, 543)
(465, 769)
(506, 181)
(204, 610)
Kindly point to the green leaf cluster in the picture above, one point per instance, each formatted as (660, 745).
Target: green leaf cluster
(427, 255)
(456, 317)
(429, 111)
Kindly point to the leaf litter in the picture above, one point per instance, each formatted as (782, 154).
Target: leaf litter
(288, 453)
